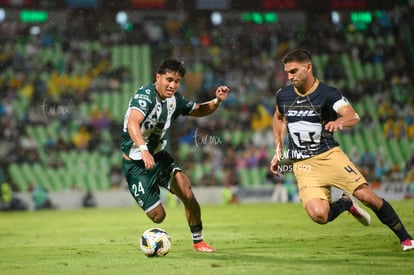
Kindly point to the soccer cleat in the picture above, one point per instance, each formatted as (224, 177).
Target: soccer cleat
(360, 214)
(407, 245)
(202, 247)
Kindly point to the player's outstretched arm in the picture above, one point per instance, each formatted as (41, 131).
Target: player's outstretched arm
(347, 119)
(206, 108)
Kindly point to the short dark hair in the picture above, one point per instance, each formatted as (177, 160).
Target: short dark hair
(300, 55)
(171, 65)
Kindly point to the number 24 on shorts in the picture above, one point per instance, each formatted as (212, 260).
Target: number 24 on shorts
(138, 188)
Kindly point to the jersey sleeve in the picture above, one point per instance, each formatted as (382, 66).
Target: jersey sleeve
(142, 101)
(337, 100)
(279, 109)
(184, 105)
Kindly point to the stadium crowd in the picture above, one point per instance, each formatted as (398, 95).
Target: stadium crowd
(237, 137)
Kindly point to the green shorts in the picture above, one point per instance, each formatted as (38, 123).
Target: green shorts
(144, 185)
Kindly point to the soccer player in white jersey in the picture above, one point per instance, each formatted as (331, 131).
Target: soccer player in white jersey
(146, 163)
(310, 112)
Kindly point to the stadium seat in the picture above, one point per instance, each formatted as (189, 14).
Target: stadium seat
(348, 142)
(371, 108)
(371, 43)
(39, 174)
(196, 173)
(358, 69)
(18, 177)
(54, 181)
(244, 176)
(370, 140)
(347, 66)
(395, 148)
(318, 65)
(379, 71)
(254, 176)
(406, 147)
(369, 70)
(359, 143)
(390, 40)
(115, 159)
(64, 180)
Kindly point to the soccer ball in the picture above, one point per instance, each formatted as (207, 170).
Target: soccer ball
(155, 242)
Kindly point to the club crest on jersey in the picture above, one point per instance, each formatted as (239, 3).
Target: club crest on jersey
(301, 113)
(171, 108)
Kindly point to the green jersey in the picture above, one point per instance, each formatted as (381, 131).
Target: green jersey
(159, 114)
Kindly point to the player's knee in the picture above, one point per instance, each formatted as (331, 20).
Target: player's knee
(320, 219)
(158, 219)
(318, 215)
(157, 216)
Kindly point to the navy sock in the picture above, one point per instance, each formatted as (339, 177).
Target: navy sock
(337, 208)
(387, 215)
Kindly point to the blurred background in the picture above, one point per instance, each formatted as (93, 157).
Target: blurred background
(69, 67)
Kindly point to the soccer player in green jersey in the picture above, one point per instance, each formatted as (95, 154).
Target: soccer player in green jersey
(146, 163)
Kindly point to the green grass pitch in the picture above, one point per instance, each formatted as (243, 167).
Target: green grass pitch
(249, 239)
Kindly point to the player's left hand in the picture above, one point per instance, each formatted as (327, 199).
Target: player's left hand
(222, 92)
(333, 126)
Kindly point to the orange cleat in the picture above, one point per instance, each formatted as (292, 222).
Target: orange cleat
(202, 247)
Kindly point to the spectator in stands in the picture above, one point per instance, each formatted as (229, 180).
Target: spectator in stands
(385, 111)
(261, 118)
(88, 200)
(366, 120)
(116, 177)
(410, 131)
(381, 170)
(229, 167)
(354, 155)
(8, 201)
(82, 137)
(280, 192)
(100, 119)
(367, 164)
(40, 197)
(251, 156)
(229, 195)
(410, 163)
(262, 138)
(50, 144)
(388, 128)
(28, 143)
(400, 128)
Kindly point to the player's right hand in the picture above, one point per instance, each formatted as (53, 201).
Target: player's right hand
(148, 159)
(274, 165)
